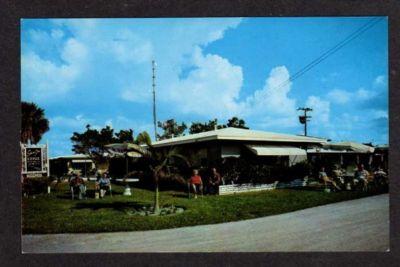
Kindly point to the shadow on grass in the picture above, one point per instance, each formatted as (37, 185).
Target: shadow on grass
(118, 205)
(181, 195)
(307, 188)
(89, 194)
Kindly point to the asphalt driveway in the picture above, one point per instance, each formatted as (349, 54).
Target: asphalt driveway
(356, 225)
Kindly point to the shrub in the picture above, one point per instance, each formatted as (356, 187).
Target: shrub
(37, 185)
(299, 170)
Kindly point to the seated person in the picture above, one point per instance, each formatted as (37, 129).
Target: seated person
(380, 175)
(214, 181)
(77, 185)
(103, 184)
(324, 177)
(380, 171)
(196, 183)
(338, 174)
(362, 175)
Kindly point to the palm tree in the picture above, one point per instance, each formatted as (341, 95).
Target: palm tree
(33, 123)
(143, 138)
(160, 162)
(161, 170)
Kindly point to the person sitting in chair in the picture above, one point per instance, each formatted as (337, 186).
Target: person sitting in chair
(338, 174)
(196, 183)
(214, 181)
(77, 185)
(380, 176)
(362, 176)
(324, 177)
(103, 184)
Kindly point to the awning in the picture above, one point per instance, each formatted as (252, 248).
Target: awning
(276, 150)
(350, 146)
(230, 151)
(82, 161)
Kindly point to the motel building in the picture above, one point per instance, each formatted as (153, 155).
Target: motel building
(214, 148)
(78, 163)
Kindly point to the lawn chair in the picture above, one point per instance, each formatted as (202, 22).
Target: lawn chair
(190, 186)
(80, 193)
(109, 189)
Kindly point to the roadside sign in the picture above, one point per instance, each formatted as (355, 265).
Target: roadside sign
(34, 159)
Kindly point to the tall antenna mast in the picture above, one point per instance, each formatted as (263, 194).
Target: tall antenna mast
(303, 119)
(154, 99)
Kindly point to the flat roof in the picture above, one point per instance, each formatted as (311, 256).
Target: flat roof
(353, 146)
(75, 156)
(238, 134)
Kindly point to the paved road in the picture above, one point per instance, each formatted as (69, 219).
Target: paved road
(356, 225)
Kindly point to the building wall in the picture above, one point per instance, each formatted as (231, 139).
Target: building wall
(63, 166)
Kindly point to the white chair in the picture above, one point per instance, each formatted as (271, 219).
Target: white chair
(72, 188)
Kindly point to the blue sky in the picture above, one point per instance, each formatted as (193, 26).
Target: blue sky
(98, 71)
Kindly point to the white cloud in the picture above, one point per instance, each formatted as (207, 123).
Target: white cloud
(109, 122)
(376, 114)
(273, 102)
(74, 52)
(380, 80)
(77, 122)
(128, 47)
(135, 94)
(211, 89)
(45, 79)
(57, 34)
(321, 109)
(362, 94)
(339, 96)
(119, 52)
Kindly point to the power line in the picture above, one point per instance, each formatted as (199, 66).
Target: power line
(331, 51)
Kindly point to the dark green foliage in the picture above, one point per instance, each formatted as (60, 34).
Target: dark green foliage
(198, 127)
(92, 142)
(143, 138)
(124, 136)
(37, 185)
(237, 123)
(247, 171)
(33, 123)
(300, 170)
(171, 129)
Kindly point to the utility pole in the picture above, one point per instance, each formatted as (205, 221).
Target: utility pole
(303, 119)
(154, 99)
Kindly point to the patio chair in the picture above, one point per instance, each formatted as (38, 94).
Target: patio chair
(109, 189)
(190, 187)
(80, 194)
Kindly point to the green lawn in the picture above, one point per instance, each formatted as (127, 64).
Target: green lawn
(57, 213)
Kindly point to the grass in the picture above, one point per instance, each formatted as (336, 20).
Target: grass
(57, 213)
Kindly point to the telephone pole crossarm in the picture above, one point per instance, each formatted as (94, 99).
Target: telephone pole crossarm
(304, 118)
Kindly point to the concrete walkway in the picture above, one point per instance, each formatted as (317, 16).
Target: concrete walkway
(356, 225)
